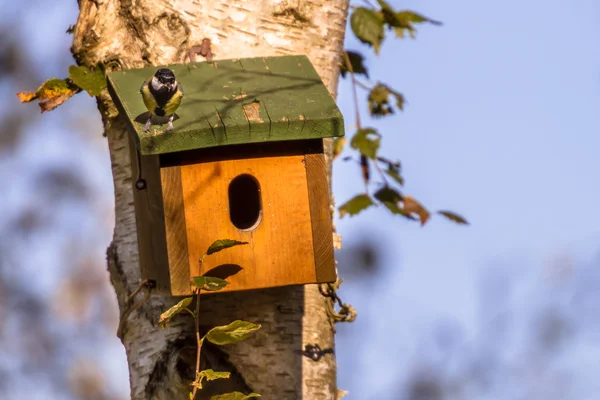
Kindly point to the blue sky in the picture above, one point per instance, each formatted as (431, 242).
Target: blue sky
(501, 125)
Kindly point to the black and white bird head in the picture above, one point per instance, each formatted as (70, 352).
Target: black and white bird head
(164, 80)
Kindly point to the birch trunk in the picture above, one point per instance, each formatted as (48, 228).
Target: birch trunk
(135, 33)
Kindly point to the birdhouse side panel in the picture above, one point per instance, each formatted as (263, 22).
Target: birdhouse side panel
(149, 216)
(280, 242)
(321, 217)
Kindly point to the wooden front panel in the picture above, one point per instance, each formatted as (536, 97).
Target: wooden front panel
(175, 233)
(280, 250)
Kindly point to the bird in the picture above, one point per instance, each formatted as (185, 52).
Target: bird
(162, 95)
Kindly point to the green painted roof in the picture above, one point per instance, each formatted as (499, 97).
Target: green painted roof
(248, 100)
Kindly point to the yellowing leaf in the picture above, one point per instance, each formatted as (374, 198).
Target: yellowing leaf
(51, 104)
(452, 216)
(208, 283)
(26, 97)
(232, 333)
(51, 94)
(341, 394)
(410, 205)
(92, 80)
(171, 312)
(356, 205)
(367, 25)
(367, 142)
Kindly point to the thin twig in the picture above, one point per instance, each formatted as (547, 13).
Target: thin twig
(130, 307)
(198, 343)
(137, 290)
(380, 172)
(354, 84)
(363, 85)
(367, 2)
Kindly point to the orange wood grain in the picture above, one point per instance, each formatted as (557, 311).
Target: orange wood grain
(175, 232)
(280, 250)
(320, 215)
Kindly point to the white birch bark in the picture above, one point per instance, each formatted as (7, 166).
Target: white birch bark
(131, 34)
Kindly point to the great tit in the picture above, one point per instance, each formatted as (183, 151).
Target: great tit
(162, 96)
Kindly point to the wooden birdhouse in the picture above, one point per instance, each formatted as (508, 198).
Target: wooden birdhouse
(244, 161)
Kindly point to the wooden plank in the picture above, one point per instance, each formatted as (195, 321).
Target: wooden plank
(280, 250)
(320, 215)
(149, 221)
(176, 239)
(234, 102)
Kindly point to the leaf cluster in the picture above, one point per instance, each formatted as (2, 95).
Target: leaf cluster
(370, 25)
(219, 335)
(55, 91)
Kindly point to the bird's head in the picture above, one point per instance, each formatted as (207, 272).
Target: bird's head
(164, 78)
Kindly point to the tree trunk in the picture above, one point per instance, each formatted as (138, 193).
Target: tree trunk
(131, 34)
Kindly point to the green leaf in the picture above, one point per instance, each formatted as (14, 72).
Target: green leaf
(390, 199)
(208, 283)
(356, 62)
(171, 312)
(402, 22)
(222, 245)
(338, 145)
(413, 17)
(395, 175)
(210, 375)
(393, 170)
(399, 99)
(92, 80)
(452, 216)
(367, 25)
(378, 100)
(232, 333)
(367, 142)
(387, 194)
(356, 205)
(235, 396)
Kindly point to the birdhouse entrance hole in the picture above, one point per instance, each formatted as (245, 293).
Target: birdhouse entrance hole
(245, 208)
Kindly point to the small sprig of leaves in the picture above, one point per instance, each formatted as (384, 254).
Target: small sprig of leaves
(219, 335)
(369, 25)
(55, 91)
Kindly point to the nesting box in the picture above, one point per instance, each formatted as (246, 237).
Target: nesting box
(244, 161)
